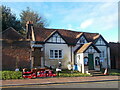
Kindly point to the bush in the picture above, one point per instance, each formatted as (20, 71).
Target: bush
(6, 75)
(114, 72)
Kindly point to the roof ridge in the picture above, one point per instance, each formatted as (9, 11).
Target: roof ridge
(69, 30)
(12, 29)
(62, 29)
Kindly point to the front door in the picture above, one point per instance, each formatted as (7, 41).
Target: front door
(90, 62)
(37, 57)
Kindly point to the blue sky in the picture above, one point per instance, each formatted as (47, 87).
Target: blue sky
(96, 17)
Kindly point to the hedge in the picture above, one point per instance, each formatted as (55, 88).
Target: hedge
(7, 75)
(74, 74)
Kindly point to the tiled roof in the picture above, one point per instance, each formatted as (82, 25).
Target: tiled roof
(11, 34)
(91, 36)
(71, 37)
(85, 46)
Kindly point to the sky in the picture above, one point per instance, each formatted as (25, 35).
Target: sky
(95, 17)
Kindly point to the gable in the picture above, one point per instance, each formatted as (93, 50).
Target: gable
(100, 41)
(87, 48)
(11, 34)
(91, 49)
(82, 40)
(56, 38)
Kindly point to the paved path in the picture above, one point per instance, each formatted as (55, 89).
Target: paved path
(56, 80)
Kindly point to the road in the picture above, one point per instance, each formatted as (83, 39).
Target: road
(104, 84)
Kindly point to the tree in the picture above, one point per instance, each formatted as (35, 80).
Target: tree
(29, 15)
(9, 19)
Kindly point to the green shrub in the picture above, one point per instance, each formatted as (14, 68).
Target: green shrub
(6, 75)
(114, 72)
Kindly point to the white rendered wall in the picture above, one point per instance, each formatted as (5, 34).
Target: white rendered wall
(80, 62)
(54, 62)
(103, 48)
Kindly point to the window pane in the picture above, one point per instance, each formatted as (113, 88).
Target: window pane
(60, 53)
(56, 53)
(58, 39)
(51, 53)
(54, 39)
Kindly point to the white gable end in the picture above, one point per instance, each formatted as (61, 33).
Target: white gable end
(82, 40)
(91, 50)
(100, 41)
(56, 38)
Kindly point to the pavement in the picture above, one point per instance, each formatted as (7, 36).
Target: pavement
(58, 80)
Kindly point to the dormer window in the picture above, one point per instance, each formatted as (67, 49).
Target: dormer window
(56, 38)
(100, 41)
(91, 49)
(82, 40)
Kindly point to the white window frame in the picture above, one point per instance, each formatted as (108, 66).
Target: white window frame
(57, 54)
(56, 38)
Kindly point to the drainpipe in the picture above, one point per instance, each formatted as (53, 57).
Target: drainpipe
(44, 55)
(107, 55)
(31, 59)
(71, 57)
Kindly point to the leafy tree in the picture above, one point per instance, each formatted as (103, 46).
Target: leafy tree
(29, 15)
(9, 19)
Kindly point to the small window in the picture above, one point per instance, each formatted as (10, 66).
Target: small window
(56, 38)
(91, 49)
(51, 53)
(85, 61)
(100, 41)
(79, 57)
(56, 54)
(97, 61)
(82, 40)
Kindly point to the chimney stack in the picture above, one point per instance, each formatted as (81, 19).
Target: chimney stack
(29, 27)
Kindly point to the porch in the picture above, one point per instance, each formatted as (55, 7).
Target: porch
(87, 58)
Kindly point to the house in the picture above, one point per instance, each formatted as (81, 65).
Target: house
(15, 50)
(89, 51)
(114, 55)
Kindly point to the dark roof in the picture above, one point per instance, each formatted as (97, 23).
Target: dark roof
(11, 34)
(71, 37)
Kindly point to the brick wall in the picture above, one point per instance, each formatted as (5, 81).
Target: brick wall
(15, 53)
(115, 55)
